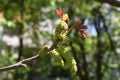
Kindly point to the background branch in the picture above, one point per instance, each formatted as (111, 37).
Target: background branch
(21, 28)
(111, 2)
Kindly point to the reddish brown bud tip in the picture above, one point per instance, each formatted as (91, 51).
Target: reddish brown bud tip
(60, 12)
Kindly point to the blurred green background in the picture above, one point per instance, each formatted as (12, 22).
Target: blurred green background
(27, 25)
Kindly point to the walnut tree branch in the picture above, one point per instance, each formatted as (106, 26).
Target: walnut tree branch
(23, 63)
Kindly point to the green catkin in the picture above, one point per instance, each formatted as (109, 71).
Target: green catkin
(43, 51)
(58, 59)
(70, 61)
(73, 67)
(60, 30)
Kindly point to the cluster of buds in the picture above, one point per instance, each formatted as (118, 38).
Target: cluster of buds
(64, 17)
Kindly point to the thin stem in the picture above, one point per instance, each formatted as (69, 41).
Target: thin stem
(77, 23)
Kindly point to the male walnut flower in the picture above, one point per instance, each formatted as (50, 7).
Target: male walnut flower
(63, 16)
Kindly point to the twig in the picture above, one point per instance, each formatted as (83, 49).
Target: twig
(23, 63)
